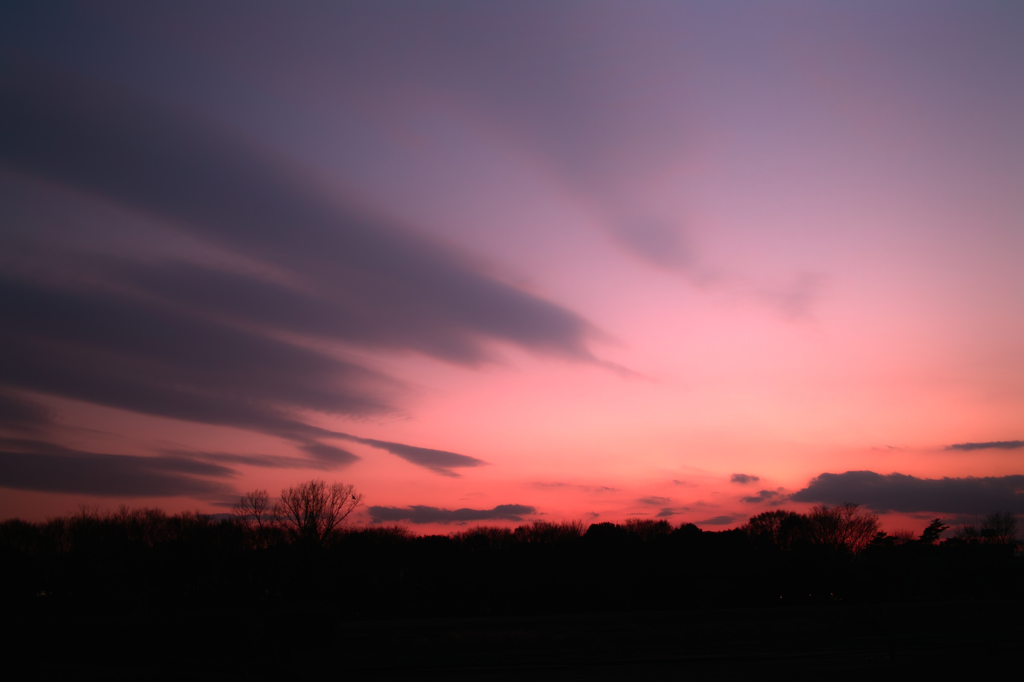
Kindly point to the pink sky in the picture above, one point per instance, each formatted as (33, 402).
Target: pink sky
(791, 235)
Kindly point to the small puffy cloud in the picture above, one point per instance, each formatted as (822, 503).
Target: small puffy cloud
(991, 445)
(423, 514)
(654, 500)
(909, 494)
(762, 496)
(743, 479)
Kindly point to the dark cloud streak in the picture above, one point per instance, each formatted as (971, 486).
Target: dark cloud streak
(329, 455)
(424, 514)
(45, 467)
(438, 461)
(255, 460)
(719, 521)
(203, 343)
(992, 445)
(124, 353)
(385, 285)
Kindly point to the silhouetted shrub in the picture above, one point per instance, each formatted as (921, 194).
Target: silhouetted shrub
(546, 532)
(490, 537)
(606, 533)
(777, 528)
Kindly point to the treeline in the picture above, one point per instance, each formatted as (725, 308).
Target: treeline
(275, 559)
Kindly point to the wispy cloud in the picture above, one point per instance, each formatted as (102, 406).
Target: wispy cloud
(656, 242)
(255, 460)
(667, 512)
(328, 455)
(20, 414)
(557, 485)
(797, 300)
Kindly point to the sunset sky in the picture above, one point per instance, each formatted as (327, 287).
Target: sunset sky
(498, 262)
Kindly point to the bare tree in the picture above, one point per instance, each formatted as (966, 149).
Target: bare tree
(967, 532)
(254, 512)
(311, 511)
(843, 527)
(1000, 528)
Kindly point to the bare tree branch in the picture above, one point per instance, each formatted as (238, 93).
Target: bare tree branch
(312, 511)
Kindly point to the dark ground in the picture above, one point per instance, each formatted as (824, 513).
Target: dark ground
(941, 640)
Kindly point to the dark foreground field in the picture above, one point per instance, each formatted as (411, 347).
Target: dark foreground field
(143, 595)
(855, 642)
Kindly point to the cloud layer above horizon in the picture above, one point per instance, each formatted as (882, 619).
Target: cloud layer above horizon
(903, 493)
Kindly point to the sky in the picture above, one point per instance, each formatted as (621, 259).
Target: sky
(504, 262)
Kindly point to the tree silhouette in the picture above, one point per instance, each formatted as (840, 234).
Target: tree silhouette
(311, 511)
(844, 527)
(931, 534)
(647, 529)
(546, 532)
(777, 528)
